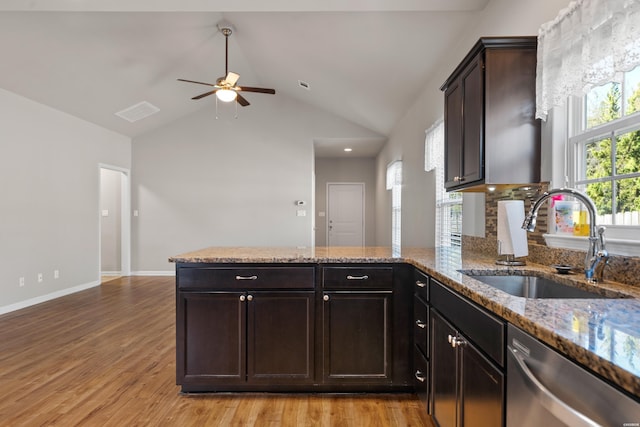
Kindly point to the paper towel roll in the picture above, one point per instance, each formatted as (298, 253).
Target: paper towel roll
(512, 239)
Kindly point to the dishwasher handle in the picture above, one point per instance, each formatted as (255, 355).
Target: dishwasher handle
(551, 402)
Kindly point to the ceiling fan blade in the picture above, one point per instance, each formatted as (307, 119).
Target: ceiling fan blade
(241, 100)
(200, 83)
(232, 78)
(205, 94)
(256, 89)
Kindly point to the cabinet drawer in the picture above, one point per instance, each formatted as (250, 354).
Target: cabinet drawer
(420, 325)
(357, 277)
(481, 327)
(245, 277)
(421, 286)
(421, 378)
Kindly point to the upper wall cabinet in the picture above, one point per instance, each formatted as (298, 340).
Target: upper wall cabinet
(491, 134)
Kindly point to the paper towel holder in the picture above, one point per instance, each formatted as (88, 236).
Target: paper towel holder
(508, 259)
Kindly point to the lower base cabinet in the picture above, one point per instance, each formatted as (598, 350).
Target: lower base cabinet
(357, 337)
(302, 328)
(467, 390)
(247, 337)
(467, 362)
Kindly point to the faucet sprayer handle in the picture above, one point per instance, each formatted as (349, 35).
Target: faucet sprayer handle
(601, 230)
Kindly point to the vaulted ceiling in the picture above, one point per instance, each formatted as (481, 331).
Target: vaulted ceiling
(363, 61)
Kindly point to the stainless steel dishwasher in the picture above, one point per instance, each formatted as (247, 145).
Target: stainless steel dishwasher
(546, 389)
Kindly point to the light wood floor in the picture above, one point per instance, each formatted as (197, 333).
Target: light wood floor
(106, 357)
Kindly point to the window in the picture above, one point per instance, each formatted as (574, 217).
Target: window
(394, 183)
(448, 205)
(606, 149)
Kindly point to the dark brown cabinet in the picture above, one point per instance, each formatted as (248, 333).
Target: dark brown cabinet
(357, 336)
(314, 327)
(490, 123)
(421, 336)
(237, 339)
(357, 304)
(467, 362)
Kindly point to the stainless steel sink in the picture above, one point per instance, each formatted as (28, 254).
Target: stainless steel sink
(534, 287)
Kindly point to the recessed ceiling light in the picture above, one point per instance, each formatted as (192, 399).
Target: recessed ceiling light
(304, 85)
(348, 150)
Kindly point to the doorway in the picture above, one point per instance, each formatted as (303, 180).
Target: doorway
(114, 223)
(345, 209)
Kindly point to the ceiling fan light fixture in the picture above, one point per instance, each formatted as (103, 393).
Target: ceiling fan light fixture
(226, 95)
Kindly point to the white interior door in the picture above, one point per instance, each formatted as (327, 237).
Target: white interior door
(345, 206)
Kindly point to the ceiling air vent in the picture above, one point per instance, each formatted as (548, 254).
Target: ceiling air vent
(138, 112)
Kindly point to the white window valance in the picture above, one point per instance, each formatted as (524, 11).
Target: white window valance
(590, 43)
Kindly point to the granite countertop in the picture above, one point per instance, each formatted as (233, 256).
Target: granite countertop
(603, 334)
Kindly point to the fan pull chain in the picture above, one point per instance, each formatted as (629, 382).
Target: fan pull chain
(216, 108)
(236, 102)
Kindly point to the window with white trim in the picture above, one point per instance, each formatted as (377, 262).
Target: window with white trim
(590, 55)
(394, 183)
(448, 205)
(606, 149)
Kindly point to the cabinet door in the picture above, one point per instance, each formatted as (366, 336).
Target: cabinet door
(482, 390)
(280, 337)
(357, 337)
(472, 81)
(444, 377)
(211, 338)
(464, 127)
(453, 134)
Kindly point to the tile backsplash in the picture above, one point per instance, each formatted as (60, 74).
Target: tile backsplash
(623, 269)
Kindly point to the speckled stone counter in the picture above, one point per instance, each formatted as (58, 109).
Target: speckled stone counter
(602, 334)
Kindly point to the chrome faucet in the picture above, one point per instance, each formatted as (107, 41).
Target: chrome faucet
(597, 256)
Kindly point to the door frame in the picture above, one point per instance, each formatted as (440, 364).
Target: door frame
(125, 219)
(364, 208)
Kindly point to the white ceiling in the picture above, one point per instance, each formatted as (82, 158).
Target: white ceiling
(364, 61)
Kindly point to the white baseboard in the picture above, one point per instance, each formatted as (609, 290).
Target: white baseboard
(153, 273)
(44, 298)
(111, 273)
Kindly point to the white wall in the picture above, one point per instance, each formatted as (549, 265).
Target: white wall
(202, 182)
(500, 18)
(345, 170)
(50, 199)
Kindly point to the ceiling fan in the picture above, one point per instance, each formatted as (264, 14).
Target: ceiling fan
(225, 87)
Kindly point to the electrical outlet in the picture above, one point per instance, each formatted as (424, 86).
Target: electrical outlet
(56, 274)
(21, 281)
(40, 278)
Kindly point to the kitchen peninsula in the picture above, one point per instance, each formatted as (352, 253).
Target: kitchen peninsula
(342, 319)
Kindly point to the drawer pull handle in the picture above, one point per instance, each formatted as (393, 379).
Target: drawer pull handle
(246, 277)
(420, 284)
(420, 376)
(350, 277)
(421, 324)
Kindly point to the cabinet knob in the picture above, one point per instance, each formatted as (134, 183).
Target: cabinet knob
(242, 298)
(249, 297)
(456, 179)
(457, 341)
(420, 284)
(421, 324)
(326, 297)
(420, 376)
